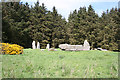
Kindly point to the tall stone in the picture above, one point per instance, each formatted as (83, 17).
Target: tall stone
(38, 45)
(48, 46)
(33, 45)
(86, 45)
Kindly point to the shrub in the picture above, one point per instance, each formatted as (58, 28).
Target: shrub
(11, 48)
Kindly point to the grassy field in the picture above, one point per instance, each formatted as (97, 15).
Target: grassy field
(60, 64)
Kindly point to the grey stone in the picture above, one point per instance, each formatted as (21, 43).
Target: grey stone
(74, 48)
(38, 45)
(48, 46)
(86, 45)
(104, 50)
(51, 49)
(33, 45)
(63, 46)
(99, 49)
(42, 49)
(67, 47)
(95, 49)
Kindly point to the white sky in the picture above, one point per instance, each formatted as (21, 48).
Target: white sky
(64, 7)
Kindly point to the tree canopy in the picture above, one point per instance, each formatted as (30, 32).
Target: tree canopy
(23, 23)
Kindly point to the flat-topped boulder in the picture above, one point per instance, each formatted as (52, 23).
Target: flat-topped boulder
(63, 46)
(68, 47)
(74, 48)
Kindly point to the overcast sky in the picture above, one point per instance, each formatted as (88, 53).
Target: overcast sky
(64, 7)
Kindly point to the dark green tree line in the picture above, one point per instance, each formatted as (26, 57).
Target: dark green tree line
(99, 31)
(23, 23)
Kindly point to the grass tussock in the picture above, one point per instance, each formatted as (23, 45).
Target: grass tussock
(60, 64)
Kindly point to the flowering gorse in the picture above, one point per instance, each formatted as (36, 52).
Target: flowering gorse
(7, 48)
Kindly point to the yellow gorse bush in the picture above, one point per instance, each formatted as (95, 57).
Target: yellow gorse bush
(11, 48)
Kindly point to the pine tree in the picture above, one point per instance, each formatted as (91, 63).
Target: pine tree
(22, 24)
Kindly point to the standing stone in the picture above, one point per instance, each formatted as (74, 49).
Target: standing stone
(86, 45)
(38, 45)
(48, 46)
(33, 45)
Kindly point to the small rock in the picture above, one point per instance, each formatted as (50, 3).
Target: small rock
(99, 49)
(51, 49)
(42, 49)
(104, 50)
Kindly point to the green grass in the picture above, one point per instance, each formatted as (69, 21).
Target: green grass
(60, 64)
